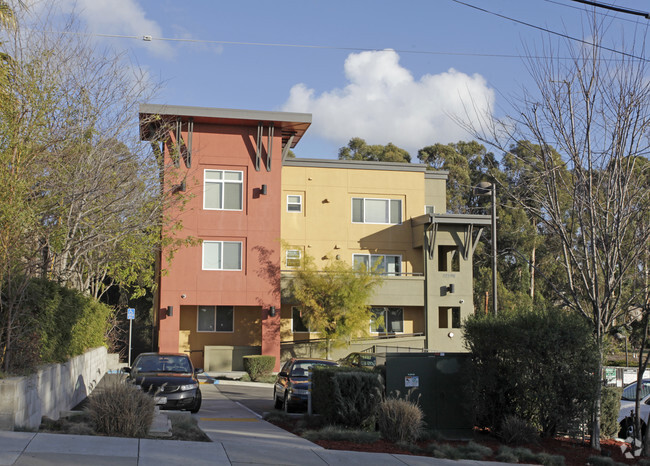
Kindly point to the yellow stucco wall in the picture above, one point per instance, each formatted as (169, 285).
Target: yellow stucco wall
(324, 229)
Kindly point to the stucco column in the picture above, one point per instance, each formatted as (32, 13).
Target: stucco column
(169, 326)
(271, 335)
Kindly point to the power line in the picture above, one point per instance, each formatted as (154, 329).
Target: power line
(148, 38)
(633, 21)
(549, 31)
(614, 8)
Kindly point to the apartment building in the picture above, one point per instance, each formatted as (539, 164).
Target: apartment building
(239, 199)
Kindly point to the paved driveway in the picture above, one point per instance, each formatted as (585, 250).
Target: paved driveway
(258, 398)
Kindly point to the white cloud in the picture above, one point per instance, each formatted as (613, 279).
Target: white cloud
(119, 17)
(382, 103)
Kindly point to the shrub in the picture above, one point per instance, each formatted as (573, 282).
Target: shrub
(517, 431)
(347, 396)
(67, 322)
(610, 406)
(258, 366)
(538, 365)
(519, 455)
(444, 451)
(122, 410)
(600, 461)
(399, 420)
(334, 433)
(506, 455)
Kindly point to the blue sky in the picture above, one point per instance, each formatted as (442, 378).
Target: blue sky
(445, 57)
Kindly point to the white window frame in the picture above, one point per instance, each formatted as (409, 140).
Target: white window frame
(222, 183)
(388, 201)
(299, 203)
(293, 309)
(385, 310)
(241, 255)
(372, 258)
(215, 309)
(286, 258)
(430, 207)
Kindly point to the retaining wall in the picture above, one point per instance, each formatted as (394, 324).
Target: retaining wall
(52, 389)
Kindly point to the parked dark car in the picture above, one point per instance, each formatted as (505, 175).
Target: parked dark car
(170, 378)
(362, 360)
(290, 390)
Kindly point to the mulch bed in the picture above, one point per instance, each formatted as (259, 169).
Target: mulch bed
(575, 452)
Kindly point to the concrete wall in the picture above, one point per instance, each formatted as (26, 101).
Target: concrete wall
(52, 389)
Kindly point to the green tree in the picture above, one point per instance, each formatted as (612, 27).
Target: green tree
(357, 149)
(334, 300)
(465, 163)
(82, 202)
(589, 117)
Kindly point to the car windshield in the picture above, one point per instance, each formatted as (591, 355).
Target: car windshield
(158, 363)
(629, 392)
(300, 369)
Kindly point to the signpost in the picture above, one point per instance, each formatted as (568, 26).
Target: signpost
(130, 314)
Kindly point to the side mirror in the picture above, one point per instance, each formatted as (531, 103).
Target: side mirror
(283, 374)
(198, 370)
(126, 369)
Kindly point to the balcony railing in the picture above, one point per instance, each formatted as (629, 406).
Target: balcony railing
(405, 289)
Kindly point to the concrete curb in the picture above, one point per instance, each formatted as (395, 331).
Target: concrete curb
(211, 381)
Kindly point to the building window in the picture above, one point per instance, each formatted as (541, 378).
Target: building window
(222, 255)
(448, 259)
(297, 324)
(293, 258)
(443, 317)
(215, 319)
(429, 209)
(294, 203)
(387, 320)
(378, 263)
(376, 210)
(223, 190)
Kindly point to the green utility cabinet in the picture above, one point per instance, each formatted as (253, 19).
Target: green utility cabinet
(437, 382)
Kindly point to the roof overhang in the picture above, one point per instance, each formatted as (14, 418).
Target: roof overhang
(289, 123)
(452, 219)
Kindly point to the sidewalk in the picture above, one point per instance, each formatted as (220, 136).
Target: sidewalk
(238, 437)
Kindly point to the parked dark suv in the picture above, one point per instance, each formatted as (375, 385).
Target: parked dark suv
(170, 378)
(290, 390)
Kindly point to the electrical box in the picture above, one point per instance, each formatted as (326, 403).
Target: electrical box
(437, 382)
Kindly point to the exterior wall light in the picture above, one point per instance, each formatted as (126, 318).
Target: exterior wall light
(170, 311)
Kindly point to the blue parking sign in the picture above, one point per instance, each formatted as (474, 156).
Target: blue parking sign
(130, 313)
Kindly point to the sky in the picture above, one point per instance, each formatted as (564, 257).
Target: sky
(401, 72)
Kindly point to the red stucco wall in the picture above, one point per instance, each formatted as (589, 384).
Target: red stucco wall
(257, 226)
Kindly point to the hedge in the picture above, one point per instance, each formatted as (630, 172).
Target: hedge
(540, 366)
(347, 396)
(258, 366)
(67, 322)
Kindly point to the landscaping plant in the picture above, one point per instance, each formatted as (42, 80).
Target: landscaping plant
(400, 420)
(121, 409)
(258, 366)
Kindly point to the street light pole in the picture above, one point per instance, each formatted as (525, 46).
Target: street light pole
(482, 189)
(494, 248)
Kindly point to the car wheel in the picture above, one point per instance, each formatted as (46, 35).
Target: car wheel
(277, 403)
(197, 403)
(627, 428)
(285, 403)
